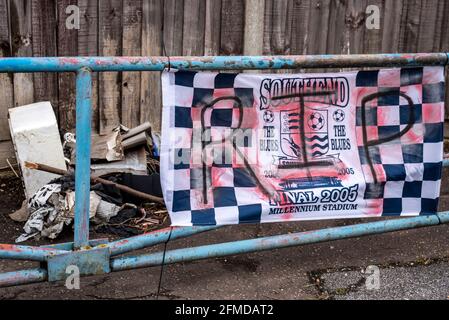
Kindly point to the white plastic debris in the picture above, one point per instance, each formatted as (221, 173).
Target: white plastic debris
(34, 132)
(93, 204)
(106, 211)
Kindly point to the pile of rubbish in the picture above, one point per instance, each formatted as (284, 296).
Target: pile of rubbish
(125, 193)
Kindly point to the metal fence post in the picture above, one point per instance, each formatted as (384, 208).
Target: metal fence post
(82, 173)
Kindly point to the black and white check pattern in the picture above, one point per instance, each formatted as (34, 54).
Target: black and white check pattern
(235, 199)
(408, 169)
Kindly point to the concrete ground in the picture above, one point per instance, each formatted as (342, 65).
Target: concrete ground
(413, 265)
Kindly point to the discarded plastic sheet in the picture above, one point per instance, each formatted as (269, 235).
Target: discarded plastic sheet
(35, 134)
(51, 211)
(105, 211)
(250, 148)
(93, 205)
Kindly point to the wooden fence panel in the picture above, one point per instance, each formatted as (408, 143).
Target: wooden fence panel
(232, 27)
(150, 86)
(391, 14)
(44, 45)
(88, 46)
(6, 83)
(110, 44)
(212, 28)
(173, 24)
(21, 35)
(68, 47)
(191, 27)
(132, 38)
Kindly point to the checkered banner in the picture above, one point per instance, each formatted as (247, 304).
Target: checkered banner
(252, 148)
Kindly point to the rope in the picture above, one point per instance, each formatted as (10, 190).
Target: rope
(163, 264)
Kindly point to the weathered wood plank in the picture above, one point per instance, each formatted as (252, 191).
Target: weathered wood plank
(21, 35)
(173, 27)
(268, 21)
(281, 27)
(318, 27)
(277, 31)
(429, 36)
(132, 37)
(67, 47)
(232, 27)
(372, 41)
(254, 27)
(336, 39)
(212, 27)
(355, 26)
(150, 88)
(6, 81)
(300, 25)
(193, 29)
(409, 30)
(391, 25)
(44, 45)
(110, 44)
(444, 42)
(88, 46)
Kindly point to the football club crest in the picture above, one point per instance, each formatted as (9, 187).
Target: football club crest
(310, 133)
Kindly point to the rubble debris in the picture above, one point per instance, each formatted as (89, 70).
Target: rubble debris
(93, 204)
(40, 210)
(150, 184)
(135, 162)
(146, 126)
(141, 139)
(120, 225)
(93, 179)
(156, 140)
(107, 147)
(22, 214)
(39, 199)
(132, 220)
(34, 128)
(106, 211)
(51, 210)
(125, 193)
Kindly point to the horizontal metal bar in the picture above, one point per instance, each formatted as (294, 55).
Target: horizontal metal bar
(14, 252)
(153, 238)
(69, 246)
(16, 278)
(82, 173)
(73, 64)
(274, 242)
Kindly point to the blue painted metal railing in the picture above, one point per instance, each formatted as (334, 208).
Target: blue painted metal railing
(95, 256)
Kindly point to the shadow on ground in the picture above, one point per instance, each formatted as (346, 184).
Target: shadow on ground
(412, 265)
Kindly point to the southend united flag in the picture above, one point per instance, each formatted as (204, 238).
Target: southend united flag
(251, 148)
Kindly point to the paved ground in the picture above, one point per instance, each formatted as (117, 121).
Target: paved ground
(413, 265)
(424, 279)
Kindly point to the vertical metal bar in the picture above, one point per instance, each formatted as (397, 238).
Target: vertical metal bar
(82, 173)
